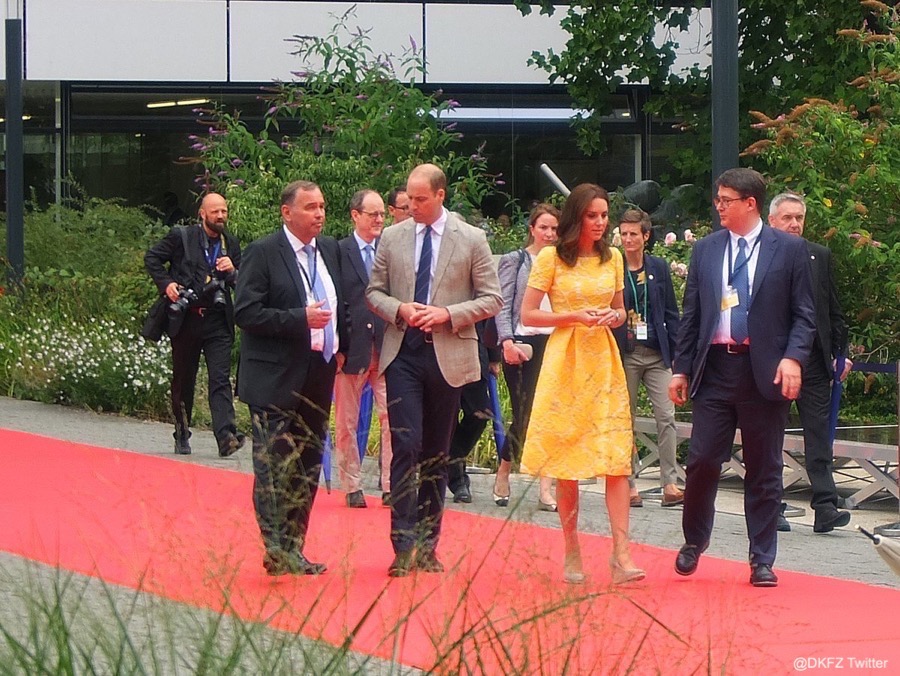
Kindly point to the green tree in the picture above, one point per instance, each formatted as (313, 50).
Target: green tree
(787, 51)
(844, 159)
(354, 121)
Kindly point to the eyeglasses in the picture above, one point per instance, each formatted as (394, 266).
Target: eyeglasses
(373, 214)
(406, 208)
(726, 201)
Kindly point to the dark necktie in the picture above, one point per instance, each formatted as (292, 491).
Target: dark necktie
(423, 274)
(741, 283)
(318, 289)
(367, 259)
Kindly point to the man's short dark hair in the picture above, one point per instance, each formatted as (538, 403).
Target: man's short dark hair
(394, 194)
(289, 194)
(637, 216)
(745, 182)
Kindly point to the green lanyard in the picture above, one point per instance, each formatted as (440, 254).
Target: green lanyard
(634, 291)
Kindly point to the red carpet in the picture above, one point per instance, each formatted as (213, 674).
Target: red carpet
(187, 533)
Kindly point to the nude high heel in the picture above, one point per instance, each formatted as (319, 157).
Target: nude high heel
(621, 575)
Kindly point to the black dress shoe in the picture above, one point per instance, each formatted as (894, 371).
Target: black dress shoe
(386, 499)
(827, 520)
(232, 444)
(182, 447)
(783, 525)
(402, 565)
(356, 499)
(761, 575)
(688, 558)
(280, 562)
(427, 562)
(303, 566)
(462, 494)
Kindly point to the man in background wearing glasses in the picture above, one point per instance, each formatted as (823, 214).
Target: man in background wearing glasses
(361, 364)
(748, 325)
(398, 204)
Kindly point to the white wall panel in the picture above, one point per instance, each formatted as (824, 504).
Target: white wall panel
(487, 43)
(259, 30)
(138, 40)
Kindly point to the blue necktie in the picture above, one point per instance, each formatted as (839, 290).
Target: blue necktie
(319, 294)
(367, 259)
(423, 274)
(741, 283)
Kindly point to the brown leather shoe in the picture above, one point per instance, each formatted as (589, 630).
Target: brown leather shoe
(637, 501)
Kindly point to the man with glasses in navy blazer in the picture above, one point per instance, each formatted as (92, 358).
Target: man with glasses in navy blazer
(748, 326)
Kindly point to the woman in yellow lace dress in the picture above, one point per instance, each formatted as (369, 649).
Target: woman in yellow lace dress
(581, 423)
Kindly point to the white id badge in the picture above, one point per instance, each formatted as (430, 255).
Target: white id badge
(730, 299)
(640, 330)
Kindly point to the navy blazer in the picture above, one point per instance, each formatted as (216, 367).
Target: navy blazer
(270, 307)
(365, 328)
(781, 316)
(661, 303)
(831, 327)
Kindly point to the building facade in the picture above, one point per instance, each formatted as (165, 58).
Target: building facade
(110, 86)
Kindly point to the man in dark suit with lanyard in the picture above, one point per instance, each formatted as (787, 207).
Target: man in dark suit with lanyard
(787, 213)
(205, 260)
(363, 348)
(747, 327)
(288, 304)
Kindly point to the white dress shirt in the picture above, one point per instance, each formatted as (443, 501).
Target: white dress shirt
(316, 336)
(437, 233)
(723, 329)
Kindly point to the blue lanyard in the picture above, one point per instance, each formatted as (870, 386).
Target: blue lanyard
(212, 254)
(732, 273)
(311, 281)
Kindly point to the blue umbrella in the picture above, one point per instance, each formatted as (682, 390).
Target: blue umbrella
(326, 462)
(365, 420)
(499, 433)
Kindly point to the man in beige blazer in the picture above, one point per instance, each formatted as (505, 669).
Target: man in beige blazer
(432, 280)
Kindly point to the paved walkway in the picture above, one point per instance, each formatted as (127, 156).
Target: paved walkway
(843, 553)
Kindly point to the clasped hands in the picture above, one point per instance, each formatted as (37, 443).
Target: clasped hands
(423, 317)
(598, 317)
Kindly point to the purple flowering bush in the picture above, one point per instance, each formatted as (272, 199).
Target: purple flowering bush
(352, 119)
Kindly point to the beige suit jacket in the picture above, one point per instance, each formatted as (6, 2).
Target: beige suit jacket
(465, 282)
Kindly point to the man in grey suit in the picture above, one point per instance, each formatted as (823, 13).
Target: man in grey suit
(432, 280)
(364, 345)
(787, 213)
(287, 305)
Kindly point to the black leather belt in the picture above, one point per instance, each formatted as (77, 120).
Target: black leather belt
(730, 348)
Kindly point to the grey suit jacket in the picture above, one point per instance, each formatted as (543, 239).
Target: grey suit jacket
(465, 282)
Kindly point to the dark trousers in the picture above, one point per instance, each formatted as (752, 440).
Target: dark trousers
(814, 407)
(287, 459)
(422, 410)
(475, 402)
(210, 335)
(521, 381)
(727, 399)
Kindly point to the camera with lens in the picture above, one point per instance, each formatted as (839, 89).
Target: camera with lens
(216, 289)
(185, 298)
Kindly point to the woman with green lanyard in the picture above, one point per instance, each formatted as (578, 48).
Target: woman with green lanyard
(647, 343)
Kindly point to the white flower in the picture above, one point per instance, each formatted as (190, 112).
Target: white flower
(689, 236)
(671, 237)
